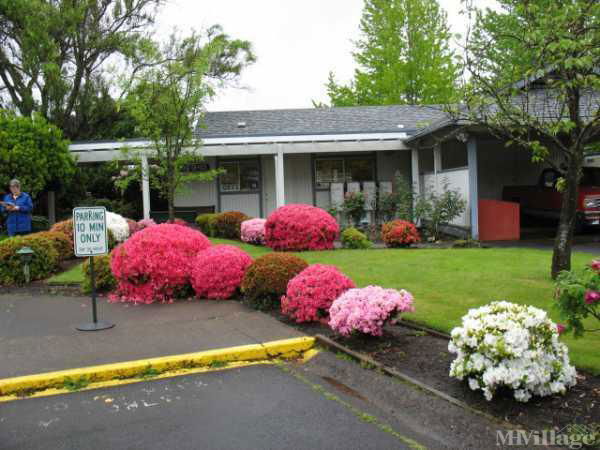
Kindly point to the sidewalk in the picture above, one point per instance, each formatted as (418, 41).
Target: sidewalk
(37, 333)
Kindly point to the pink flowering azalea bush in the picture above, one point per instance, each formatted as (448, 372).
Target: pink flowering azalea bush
(218, 271)
(253, 231)
(368, 309)
(300, 227)
(155, 264)
(310, 293)
(578, 299)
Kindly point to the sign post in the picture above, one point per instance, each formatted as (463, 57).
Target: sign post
(91, 239)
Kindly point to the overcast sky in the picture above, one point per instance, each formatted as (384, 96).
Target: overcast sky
(297, 43)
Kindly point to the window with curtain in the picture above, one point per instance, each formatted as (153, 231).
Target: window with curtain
(240, 176)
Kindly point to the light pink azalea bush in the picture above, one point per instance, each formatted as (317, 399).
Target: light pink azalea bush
(300, 227)
(368, 309)
(155, 264)
(253, 231)
(310, 293)
(218, 271)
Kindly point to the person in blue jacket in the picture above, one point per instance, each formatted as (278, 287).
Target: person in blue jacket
(18, 206)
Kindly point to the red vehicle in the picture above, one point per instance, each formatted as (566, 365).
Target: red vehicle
(544, 201)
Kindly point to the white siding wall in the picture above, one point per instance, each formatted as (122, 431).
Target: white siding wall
(199, 193)
(457, 179)
(246, 203)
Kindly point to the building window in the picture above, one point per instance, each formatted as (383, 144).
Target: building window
(343, 170)
(240, 176)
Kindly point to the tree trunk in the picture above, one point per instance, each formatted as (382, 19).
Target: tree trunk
(171, 202)
(561, 258)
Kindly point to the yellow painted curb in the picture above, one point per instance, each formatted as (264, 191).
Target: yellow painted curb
(286, 348)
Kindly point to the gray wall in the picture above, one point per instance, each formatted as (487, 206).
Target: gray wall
(199, 193)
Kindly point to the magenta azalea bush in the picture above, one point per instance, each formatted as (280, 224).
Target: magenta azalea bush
(310, 293)
(218, 271)
(253, 231)
(368, 309)
(300, 227)
(155, 264)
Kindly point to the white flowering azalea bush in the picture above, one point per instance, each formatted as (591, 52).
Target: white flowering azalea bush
(510, 346)
(118, 226)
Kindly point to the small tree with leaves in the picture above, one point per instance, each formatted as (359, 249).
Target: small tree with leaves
(534, 79)
(167, 99)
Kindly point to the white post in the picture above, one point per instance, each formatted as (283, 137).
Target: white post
(473, 187)
(415, 171)
(437, 164)
(279, 178)
(51, 207)
(146, 186)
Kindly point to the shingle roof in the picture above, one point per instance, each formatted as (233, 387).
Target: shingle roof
(313, 121)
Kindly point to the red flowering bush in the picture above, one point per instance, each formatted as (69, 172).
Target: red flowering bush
(267, 278)
(300, 227)
(311, 293)
(228, 224)
(155, 263)
(217, 272)
(399, 233)
(66, 227)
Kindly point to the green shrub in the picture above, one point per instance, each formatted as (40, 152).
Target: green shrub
(228, 224)
(267, 278)
(118, 206)
(39, 223)
(61, 242)
(44, 262)
(105, 281)
(353, 238)
(207, 224)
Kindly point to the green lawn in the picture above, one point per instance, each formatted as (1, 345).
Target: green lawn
(446, 283)
(72, 276)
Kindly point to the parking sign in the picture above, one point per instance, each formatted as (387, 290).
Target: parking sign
(90, 233)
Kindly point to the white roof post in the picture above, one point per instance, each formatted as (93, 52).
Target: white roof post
(473, 186)
(279, 177)
(146, 186)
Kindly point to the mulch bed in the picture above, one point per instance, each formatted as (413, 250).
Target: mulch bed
(426, 358)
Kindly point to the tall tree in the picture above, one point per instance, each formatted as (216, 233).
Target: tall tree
(403, 56)
(53, 51)
(167, 99)
(533, 78)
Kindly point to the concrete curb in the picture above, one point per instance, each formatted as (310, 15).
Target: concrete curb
(286, 348)
(332, 345)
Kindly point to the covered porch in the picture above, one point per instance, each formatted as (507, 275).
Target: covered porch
(265, 173)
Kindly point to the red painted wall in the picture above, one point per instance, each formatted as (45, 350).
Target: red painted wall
(499, 221)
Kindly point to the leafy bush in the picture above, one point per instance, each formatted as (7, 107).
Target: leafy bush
(44, 262)
(300, 227)
(118, 206)
(65, 227)
(61, 243)
(399, 233)
(217, 272)
(367, 310)
(437, 209)
(578, 297)
(39, 223)
(310, 293)
(267, 278)
(207, 224)
(105, 280)
(354, 206)
(155, 264)
(353, 238)
(510, 346)
(253, 231)
(228, 224)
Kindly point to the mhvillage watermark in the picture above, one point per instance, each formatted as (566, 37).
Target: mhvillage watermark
(573, 436)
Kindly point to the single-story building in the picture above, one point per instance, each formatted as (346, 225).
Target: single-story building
(313, 156)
